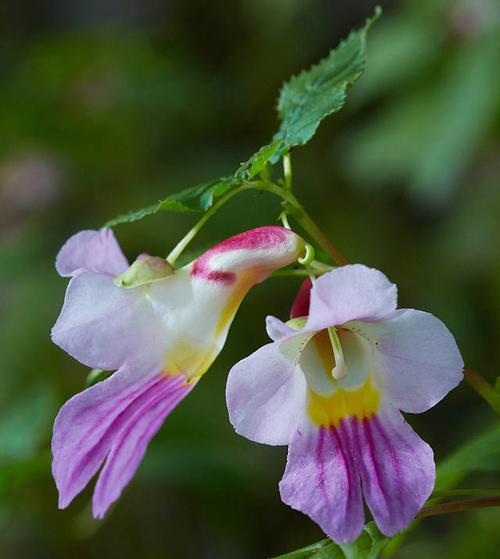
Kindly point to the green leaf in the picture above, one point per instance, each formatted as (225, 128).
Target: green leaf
(479, 454)
(304, 102)
(197, 198)
(368, 546)
(269, 153)
(314, 94)
(314, 551)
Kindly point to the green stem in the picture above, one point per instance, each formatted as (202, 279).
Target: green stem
(297, 211)
(317, 267)
(287, 170)
(285, 273)
(490, 492)
(483, 388)
(191, 234)
(444, 508)
(306, 222)
(459, 506)
(284, 219)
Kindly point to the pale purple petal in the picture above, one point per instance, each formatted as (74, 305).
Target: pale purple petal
(321, 480)
(397, 469)
(84, 430)
(418, 361)
(92, 424)
(277, 330)
(132, 440)
(352, 292)
(105, 326)
(93, 251)
(266, 394)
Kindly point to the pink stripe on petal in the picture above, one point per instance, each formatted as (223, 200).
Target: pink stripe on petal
(131, 442)
(90, 424)
(397, 469)
(321, 480)
(83, 429)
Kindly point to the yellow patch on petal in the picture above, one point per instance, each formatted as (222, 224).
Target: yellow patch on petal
(244, 282)
(187, 359)
(327, 411)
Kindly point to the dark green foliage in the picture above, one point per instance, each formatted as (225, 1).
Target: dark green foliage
(368, 546)
(314, 94)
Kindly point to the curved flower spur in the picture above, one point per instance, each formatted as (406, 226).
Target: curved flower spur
(331, 385)
(160, 329)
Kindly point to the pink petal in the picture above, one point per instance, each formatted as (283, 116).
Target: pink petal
(93, 251)
(300, 306)
(418, 361)
(105, 326)
(94, 425)
(397, 469)
(260, 250)
(321, 480)
(266, 393)
(352, 292)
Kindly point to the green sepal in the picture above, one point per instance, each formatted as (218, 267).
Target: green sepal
(146, 269)
(297, 323)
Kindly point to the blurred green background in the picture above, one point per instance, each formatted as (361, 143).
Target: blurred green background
(108, 106)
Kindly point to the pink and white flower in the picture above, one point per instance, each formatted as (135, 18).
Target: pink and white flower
(160, 329)
(331, 386)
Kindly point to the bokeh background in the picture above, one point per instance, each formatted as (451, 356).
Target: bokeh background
(108, 106)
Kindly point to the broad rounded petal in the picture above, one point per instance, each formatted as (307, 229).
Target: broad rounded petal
(352, 292)
(276, 329)
(418, 361)
(93, 251)
(397, 469)
(321, 480)
(266, 394)
(91, 426)
(105, 326)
